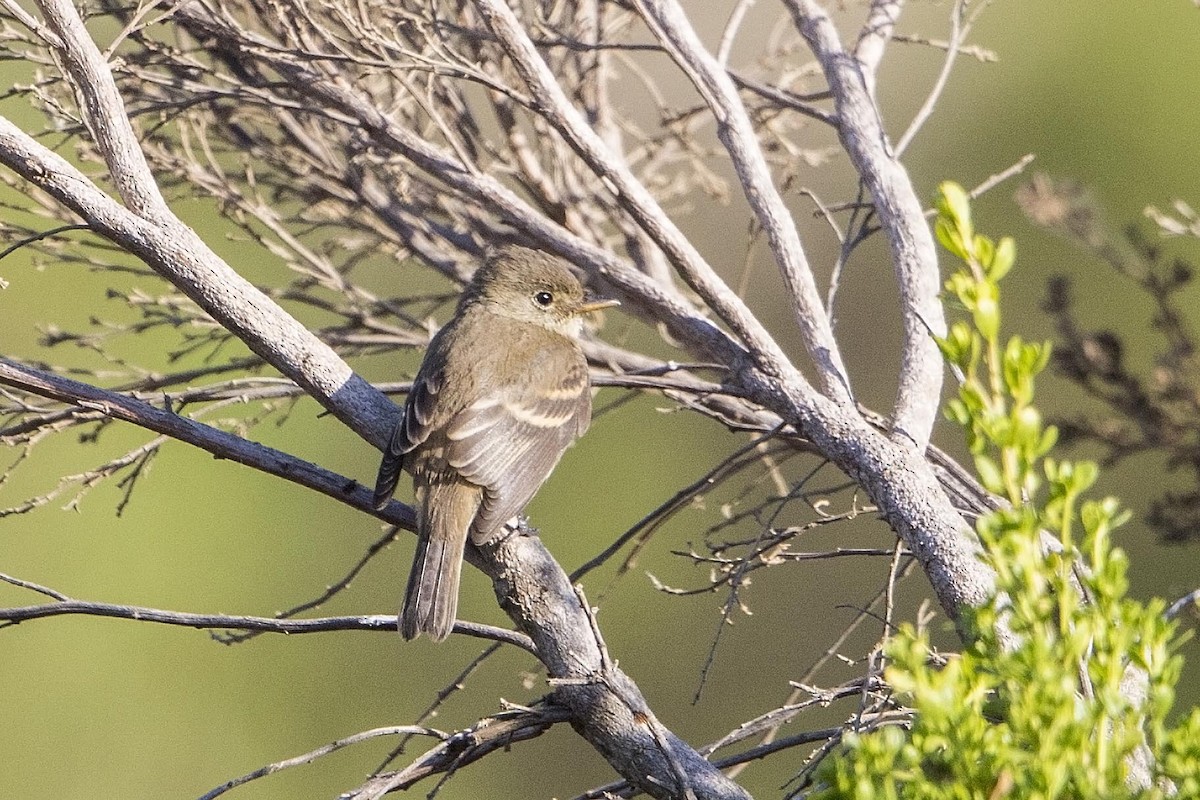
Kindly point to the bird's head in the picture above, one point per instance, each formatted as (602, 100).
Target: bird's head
(533, 286)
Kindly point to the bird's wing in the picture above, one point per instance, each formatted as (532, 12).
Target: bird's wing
(419, 413)
(509, 441)
(414, 427)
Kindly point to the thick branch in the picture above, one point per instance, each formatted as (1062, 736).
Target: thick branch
(174, 251)
(554, 105)
(736, 132)
(874, 37)
(606, 706)
(103, 110)
(914, 256)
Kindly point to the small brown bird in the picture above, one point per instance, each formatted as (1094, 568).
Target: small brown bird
(502, 392)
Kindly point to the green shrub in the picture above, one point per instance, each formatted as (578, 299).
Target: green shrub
(1092, 682)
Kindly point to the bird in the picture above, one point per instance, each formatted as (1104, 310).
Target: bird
(501, 393)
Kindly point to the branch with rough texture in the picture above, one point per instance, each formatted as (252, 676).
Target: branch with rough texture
(556, 108)
(175, 251)
(874, 37)
(369, 622)
(670, 24)
(914, 256)
(104, 111)
(221, 444)
(607, 708)
(493, 733)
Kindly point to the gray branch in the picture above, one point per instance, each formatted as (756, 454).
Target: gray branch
(669, 22)
(369, 622)
(914, 256)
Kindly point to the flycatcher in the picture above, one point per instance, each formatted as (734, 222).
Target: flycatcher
(502, 392)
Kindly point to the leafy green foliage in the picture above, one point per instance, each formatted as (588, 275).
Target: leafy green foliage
(1092, 683)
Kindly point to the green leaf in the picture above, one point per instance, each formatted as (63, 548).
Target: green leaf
(956, 411)
(958, 346)
(1086, 473)
(1027, 429)
(948, 234)
(954, 204)
(1018, 377)
(986, 312)
(1043, 358)
(989, 474)
(1002, 261)
(983, 249)
(1048, 440)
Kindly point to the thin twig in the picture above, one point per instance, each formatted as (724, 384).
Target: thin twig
(219, 443)
(497, 732)
(1176, 608)
(330, 592)
(36, 587)
(645, 527)
(368, 622)
(37, 237)
(313, 755)
(446, 691)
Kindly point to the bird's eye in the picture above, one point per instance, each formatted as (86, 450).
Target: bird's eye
(543, 299)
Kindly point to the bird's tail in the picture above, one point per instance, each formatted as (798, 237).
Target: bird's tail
(431, 599)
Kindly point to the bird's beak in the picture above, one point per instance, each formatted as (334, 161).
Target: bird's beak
(596, 305)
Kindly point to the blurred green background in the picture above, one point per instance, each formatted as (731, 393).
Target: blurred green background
(1101, 91)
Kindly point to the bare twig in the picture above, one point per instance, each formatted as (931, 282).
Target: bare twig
(959, 29)
(455, 685)
(369, 622)
(330, 592)
(914, 258)
(220, 443)
(669, 23)
(313, 755)
(1189, 599)
(497, 732)
(35, 587)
